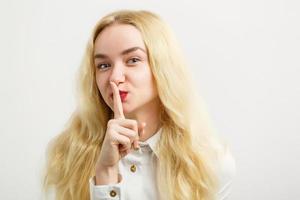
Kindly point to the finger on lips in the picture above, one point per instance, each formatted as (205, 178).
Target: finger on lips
(118, 109)
(118, 114)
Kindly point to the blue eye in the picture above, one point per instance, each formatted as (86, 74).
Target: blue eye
(102, 66)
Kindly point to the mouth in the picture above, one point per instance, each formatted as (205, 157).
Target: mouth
(123, 95)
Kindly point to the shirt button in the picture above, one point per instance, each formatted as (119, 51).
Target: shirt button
(133, 168)
(112, 193)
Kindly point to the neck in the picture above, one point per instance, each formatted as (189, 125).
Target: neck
(150, 115)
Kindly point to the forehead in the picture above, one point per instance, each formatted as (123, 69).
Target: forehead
(115, 38)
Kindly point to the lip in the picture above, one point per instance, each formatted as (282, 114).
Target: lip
(122, 91)
(122, 94)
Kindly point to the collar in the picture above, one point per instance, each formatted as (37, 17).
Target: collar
(152, 141)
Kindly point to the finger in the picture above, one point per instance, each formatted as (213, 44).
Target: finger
(122, 141)
(141, 131)
(129, 123)
(125, 152)
(118, 108)
(129, 127)
(131, 134)
(136, 145)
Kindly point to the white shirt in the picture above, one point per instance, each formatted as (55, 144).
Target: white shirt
(138, 176)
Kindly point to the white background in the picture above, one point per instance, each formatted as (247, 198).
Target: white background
(244, 55)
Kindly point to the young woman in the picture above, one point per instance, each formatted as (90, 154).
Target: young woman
(140, 130)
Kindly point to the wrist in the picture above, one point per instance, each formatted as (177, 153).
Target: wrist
(107, 175)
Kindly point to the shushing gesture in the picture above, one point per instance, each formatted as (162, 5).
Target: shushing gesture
(122, 136)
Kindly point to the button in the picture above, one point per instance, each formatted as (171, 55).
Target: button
(133, 168)
(113, 193)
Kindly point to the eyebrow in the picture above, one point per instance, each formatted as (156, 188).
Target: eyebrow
(126, 51)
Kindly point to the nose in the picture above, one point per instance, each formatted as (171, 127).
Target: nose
(117, 74)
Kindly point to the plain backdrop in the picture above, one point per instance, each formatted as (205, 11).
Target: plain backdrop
(244, 56)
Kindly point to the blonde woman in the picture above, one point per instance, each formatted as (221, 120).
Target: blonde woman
(140, 131)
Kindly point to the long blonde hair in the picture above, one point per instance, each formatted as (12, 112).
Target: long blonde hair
(188, 147)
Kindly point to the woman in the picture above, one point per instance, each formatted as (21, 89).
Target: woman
(140, 131)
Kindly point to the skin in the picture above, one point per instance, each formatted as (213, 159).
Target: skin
(122, 64)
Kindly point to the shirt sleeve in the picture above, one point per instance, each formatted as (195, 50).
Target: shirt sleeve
(227, 172)
(105, 192)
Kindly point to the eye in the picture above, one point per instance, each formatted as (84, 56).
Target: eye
(102, 66)
(133, 60)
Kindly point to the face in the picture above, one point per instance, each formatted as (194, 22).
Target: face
(120, 56)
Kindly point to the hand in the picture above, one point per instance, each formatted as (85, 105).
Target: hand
(121, 138)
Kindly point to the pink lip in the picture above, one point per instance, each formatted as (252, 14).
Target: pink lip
(122, 93)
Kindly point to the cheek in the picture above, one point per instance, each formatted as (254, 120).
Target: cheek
(101, 85)
(147, 83)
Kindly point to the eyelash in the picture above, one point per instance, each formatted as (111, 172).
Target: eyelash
(135, 59)
(100, 65)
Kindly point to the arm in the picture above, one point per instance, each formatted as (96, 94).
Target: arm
(105, 192)
(120, 138)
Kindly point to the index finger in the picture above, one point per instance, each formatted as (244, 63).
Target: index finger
(118, 108)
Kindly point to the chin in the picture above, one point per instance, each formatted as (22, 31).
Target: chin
(129, 111)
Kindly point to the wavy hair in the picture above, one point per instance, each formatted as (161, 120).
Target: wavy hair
(188, 146)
